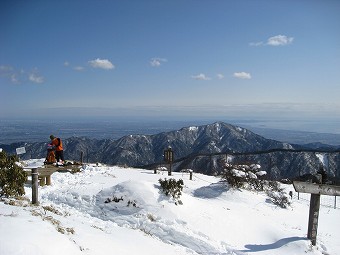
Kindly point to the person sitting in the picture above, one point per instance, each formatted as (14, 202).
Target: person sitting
(50, 158)
(58, 146)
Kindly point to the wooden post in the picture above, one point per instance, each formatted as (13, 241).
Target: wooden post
(190, 175)
(34, 175)
(334, 202)
(48, 180)
(313, 217)
(169, 157)
(316, 190)
(42, 180)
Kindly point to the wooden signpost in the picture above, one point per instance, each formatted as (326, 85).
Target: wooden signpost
(169, 158)
(316, 190)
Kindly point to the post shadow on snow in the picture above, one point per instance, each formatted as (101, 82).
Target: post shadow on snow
(212, 191)
(272, 246)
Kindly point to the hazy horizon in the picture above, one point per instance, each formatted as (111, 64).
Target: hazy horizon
(39, 129)
(234, 59)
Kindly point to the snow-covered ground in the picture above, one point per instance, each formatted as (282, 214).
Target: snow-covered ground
(77, 215)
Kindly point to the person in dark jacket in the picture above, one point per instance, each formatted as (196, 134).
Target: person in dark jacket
(58, 146)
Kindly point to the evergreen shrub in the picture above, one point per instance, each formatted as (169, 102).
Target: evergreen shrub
(172, 188)
(12, 176)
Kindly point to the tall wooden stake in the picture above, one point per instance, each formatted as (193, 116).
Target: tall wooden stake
(313, 217)
(34, 174)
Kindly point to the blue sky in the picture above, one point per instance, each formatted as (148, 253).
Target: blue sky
(238, 59)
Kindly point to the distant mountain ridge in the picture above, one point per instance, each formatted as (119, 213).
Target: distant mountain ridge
(188, 143)
(217, 137)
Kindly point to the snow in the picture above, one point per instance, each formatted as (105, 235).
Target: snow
(261, 173)
(218, 127)
(252, 175)
(239, 173)
(193, 128)
(323, 158)
(113, 210)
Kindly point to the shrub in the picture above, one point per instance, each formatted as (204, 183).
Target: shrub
(12, 176)
(277, 195)
(172, 188)
(251, 177)
(244, 176)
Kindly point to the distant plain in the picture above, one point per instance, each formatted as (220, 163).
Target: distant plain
(12, 131)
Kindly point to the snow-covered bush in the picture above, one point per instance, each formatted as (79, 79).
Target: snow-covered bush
(244, 176)
(251, 177)
(172, 188)
(277, 195)
(12, 176)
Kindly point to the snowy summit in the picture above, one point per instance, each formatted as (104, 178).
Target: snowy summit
(113, 210)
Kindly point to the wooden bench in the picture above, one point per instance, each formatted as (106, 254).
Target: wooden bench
(44, 175)
(45, 172)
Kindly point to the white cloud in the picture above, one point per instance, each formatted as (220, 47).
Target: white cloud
(156, 62)
(34, 77)
(78, 68)
(4, 70)
(201, 76)
(279, 40)
(16, 76)
(15, 79)
(101, 63)
(220, 76)
(256, 44)
(11, 74)
(242, 75)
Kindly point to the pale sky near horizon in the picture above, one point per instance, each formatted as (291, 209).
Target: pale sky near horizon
(255, 58)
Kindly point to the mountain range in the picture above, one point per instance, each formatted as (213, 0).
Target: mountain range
(200, 148)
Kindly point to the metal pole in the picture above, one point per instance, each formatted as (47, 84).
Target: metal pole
(34, 174)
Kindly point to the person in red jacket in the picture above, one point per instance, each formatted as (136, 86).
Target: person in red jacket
(59, 151)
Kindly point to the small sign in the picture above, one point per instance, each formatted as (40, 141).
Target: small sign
(320, 189)
(20, 150)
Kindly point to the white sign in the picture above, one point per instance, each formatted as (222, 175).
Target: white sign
(0, 149)
(21, 150)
